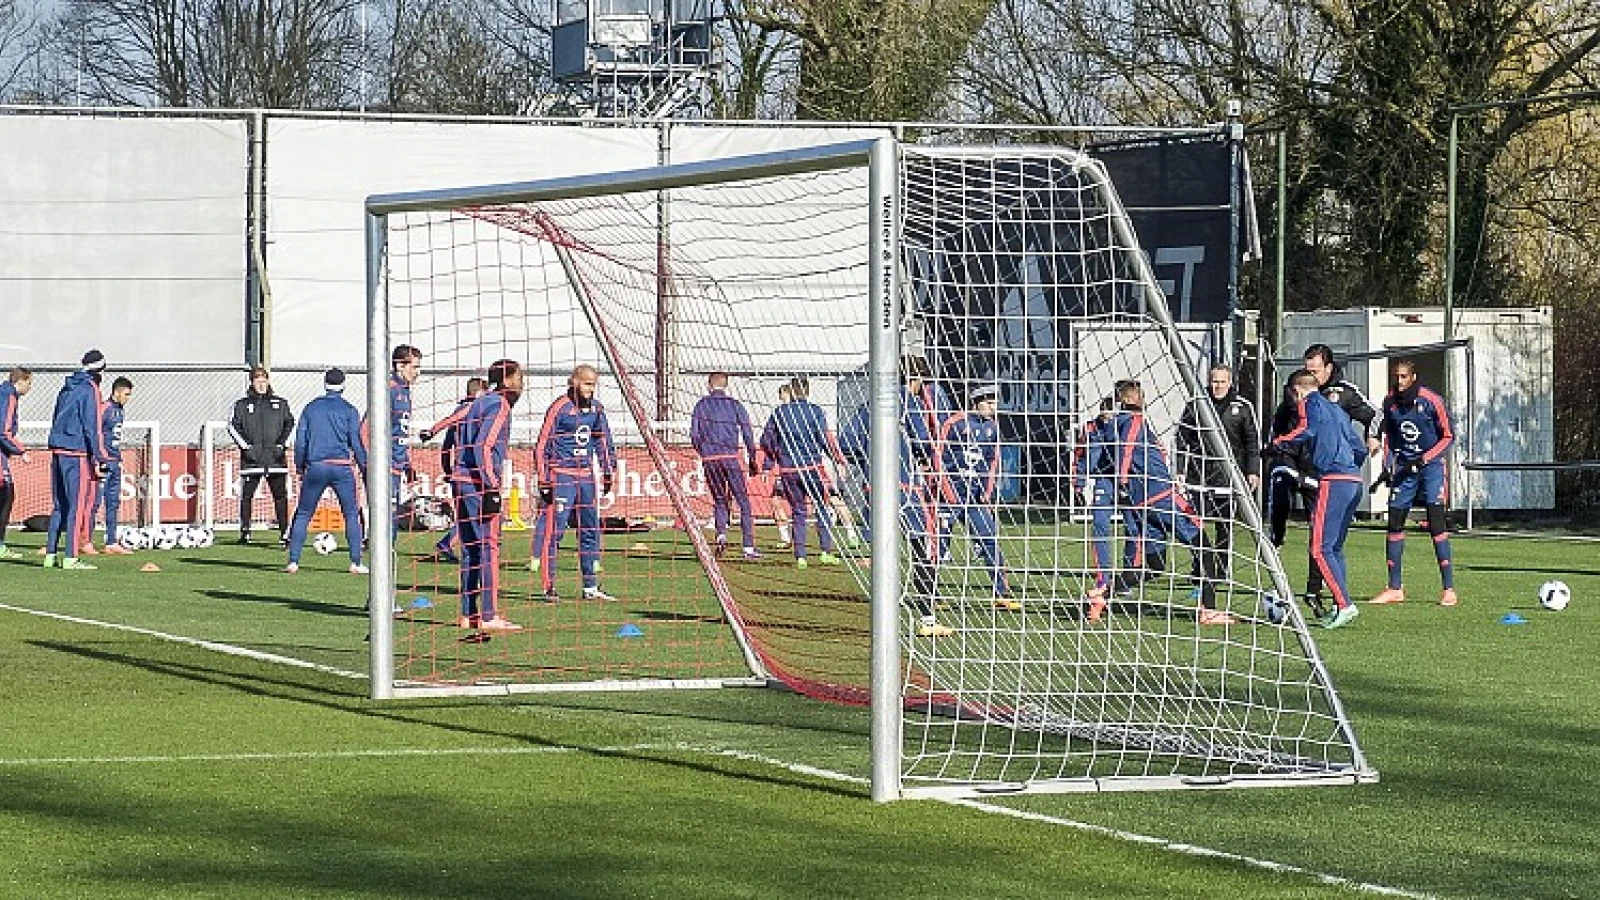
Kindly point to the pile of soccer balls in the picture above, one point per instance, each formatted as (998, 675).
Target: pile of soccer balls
(166, 537)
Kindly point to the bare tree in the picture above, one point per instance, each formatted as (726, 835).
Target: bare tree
(19, 45)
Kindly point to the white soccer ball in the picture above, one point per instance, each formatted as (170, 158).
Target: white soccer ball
(188, 538)
(1275, 610)
(166, 537)
(130, 538)
(203, 537)
(324, 543)
(1554, 595)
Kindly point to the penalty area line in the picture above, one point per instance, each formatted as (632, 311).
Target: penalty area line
(214, 646)
(1193, 850)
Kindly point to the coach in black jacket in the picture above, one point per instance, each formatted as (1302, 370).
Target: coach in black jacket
(261, 425)
(1343, 394)
(1208, 476)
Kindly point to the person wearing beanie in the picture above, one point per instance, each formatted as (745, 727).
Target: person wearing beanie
(78, 458)
(261, 425)
(328, 451)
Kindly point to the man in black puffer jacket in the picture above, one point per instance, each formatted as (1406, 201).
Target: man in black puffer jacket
(1209, 476)
(261, 425)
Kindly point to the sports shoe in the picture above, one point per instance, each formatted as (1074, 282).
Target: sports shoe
(88, 550)
(721, 546)
(358, 569)
(8, 553)
(1096, 598)
(1342, 617)
(445, 554)
(827, 559)
(116, 550)
(1389, 595)
(466, 622)
(1217, 617)
(1314, 603)
(1007, 602)
(533, 564)
(292, 568)
(244, 536)
(49, 560)
(594, 593)
(552, 596)
(72, 562)
(499, 624)
(929, 628)
(801, 563)
(1448, 598)
(752, 553)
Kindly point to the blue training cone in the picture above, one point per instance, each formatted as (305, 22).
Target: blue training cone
(629, 630)
(1512, 618)
(422, 603)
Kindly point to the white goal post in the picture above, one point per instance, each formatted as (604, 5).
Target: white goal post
(896, 292)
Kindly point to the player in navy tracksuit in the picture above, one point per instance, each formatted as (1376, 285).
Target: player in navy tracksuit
(1417, 436)
(1094, 476)
(77, 459)
(574, 439)
(447, 426)
(1337, 452)
(717, 427)
(969, 466)
(112, 415)
(12, 390)
(1145, 483)
(796, 441)
(328, 451)
(482, 439)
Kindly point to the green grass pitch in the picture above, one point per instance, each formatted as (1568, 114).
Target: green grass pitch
(132, 766)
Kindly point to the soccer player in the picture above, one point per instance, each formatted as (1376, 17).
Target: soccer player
(407, 365)
(1337, 453)
(1208, 476)
(261, 425)
(12, 390)
(328, 451)
(1094, 476)
(1145, 484)
(77, 458)
(574, 438)
(1416, 437)
(481, 440)
(796, 441)
(1289, 468)
(718, 427)
(969, 465)
(112, 414)
(447, 426)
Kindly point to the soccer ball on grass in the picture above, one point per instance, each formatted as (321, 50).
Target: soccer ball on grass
(324, 543)
(1273, 609)
(1555, 595)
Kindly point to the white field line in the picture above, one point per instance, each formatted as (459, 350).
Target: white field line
(796, 768)
(215, 646)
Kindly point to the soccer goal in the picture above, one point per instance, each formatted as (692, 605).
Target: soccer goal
(921, 339)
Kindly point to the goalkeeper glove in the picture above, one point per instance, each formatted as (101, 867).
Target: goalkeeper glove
(426, 435)
(493, 503)
(547, 495)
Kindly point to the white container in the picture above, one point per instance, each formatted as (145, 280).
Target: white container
(1510, 365)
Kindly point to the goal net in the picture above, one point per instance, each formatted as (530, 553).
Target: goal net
(916, 519)
(139, 503)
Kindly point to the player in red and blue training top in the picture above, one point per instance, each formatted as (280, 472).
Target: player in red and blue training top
(969, 466)
(1094, 477)
(1417, 436)
(12, 390)
(1145, 484)
(574, 439)
(447, 426)
(796, 441)
(112, 414)
(481, 441)
(77, 459)
(1337, 452)
(328, 450)
(718, 427)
